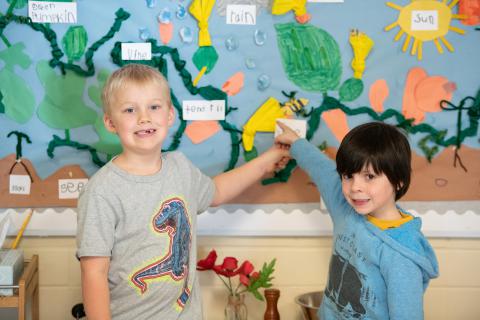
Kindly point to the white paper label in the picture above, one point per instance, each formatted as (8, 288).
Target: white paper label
(70, 188)
(52, 12)
(137, 51)
(299, 126)
(241, 14)
(203, 110)
(426, 20)
(20, 184)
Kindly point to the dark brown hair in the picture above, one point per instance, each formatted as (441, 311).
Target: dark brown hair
(380, 145)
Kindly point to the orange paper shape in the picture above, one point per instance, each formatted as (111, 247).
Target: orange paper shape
(166, 32)
(470, 9)
(234, 84)
(199, 131)
(379, 92)
(423, 93)
(336, 120)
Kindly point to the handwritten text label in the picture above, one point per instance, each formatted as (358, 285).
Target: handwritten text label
(137, 51)
(70, 188)
(19, 184)
(241, 14)
(424, 20)
(52, 12)
(203, 110)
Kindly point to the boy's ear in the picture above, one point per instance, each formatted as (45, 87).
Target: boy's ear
(108, 123)
(171, 116)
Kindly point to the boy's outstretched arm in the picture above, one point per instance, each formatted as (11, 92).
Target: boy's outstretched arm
(230, 184)
(96, 295)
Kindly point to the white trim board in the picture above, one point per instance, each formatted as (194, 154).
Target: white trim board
(440, 219)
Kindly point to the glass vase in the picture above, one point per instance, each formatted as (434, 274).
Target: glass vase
(236, 308)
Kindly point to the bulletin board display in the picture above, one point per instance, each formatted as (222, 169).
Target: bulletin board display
(331, 64)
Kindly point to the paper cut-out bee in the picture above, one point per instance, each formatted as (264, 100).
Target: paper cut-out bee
(264, 119)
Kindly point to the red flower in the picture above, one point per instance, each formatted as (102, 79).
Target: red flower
(248, 280)
(227, 268)
(244, 272)
(208, 263)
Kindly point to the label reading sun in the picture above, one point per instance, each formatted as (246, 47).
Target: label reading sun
(425, 20)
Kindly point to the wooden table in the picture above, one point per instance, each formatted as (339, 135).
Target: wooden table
(27, 286)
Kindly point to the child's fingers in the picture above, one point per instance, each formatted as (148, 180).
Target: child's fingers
(283, 126)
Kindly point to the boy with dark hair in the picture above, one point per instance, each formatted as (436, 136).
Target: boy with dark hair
(381, 263)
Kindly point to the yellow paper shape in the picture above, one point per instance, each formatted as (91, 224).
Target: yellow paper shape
(200, 10)
(361, 45)
(299, 8)
(264, 119)
(411, 12)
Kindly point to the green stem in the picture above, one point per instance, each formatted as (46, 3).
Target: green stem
(226, 284)
(11, 7)
(230, 286)
(5, 40)
(236, 289)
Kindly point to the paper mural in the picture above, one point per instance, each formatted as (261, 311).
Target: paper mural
(331, 65)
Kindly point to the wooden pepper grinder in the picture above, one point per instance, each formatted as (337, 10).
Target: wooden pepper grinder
(272, 296)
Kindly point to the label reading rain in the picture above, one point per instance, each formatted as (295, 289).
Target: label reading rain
(241, 14)
(203, 109)
(52, 12)
(424, 20)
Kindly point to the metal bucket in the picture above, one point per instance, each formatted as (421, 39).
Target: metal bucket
(310, 303)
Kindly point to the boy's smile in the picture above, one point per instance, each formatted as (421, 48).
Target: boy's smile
(141, 116)
(370, 193)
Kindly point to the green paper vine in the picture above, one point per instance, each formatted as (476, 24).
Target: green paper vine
(433, 135)
(20, 137)
(57, 53)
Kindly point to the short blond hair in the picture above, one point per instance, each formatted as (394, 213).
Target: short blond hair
(128, 74)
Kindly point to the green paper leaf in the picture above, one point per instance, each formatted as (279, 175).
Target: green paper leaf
(14, 56)
(18, 99)
(74, 42)
(95, 92)
(205, 57)
(62, 106)
(109, 143)
(310, 56)
(351, 89)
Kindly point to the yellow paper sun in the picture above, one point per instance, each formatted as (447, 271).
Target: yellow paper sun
(425, 20)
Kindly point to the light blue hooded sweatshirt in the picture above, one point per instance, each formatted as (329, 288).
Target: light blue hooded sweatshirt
(374, 274)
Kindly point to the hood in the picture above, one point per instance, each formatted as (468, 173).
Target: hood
(410, 242)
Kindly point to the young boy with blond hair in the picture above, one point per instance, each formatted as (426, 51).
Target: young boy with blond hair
(137, 216)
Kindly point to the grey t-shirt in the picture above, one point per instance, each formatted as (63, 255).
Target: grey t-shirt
(147, 226)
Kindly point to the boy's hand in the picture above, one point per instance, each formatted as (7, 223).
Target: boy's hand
(279, 156)
(288, 136)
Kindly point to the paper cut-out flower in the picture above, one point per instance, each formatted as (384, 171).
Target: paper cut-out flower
(234, 84)
(423, 94)
(199, 131)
